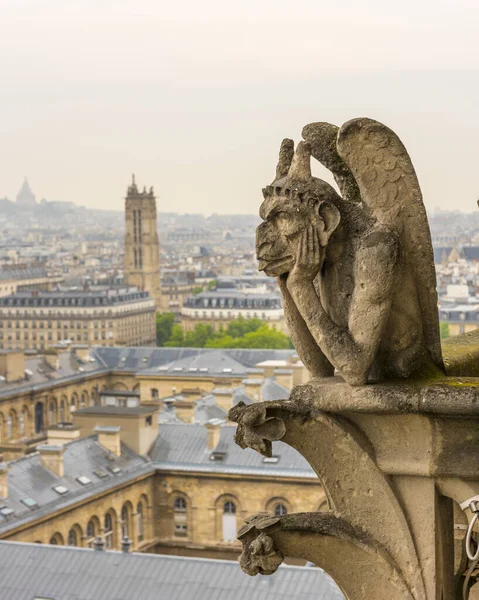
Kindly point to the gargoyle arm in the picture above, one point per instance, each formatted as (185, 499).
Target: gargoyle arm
(305, 345)
(352, 350)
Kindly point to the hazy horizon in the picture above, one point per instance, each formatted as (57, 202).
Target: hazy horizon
(195, 98)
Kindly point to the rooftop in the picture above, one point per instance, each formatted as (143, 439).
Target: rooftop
(183, 447)
(31, 485)
(30, 571)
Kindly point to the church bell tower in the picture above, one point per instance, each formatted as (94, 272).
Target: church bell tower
(142, 249)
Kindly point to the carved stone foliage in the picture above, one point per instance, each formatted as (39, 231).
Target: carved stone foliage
(356, 271)
(259, 552)
(393, 461)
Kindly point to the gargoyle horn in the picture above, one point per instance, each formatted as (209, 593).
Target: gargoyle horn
(301, 164)
(286, 153)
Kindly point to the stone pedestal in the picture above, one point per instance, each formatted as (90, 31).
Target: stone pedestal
(396, 461)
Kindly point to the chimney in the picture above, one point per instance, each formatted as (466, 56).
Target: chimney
(185, 410)
(126, 544)
(109, 438)
(99, 544)
(52, 359)
(52, 458)
(223, 398)
(252, 388)
(3, 480)
(81, 351)
(12, 365)
(213, 428)
(300, 373)
(62, 434)
(284, 377)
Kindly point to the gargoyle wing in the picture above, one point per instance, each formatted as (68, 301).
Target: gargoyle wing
(391, 194)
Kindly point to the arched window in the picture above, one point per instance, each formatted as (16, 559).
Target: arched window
(72, 538)
(62, 411)
(229, 508)
(180, 517)
(108, 531)
(9, 427)
(280, 510)
(91, 533)
(51, 413)
(56, 540)
(139, 521)
(73, 403)
(38, 417)
(229, 521)
(21, 422)
(84, 400)
(125, 522)
(180, 504)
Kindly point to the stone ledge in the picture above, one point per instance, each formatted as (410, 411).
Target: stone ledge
(454, 396)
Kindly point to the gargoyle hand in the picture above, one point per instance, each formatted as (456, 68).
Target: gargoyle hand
(309, 256)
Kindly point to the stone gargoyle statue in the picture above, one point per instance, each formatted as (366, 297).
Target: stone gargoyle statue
(356, 271)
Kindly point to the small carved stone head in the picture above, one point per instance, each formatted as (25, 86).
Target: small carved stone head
(293, 201)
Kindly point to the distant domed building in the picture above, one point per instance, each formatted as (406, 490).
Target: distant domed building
(25, 196)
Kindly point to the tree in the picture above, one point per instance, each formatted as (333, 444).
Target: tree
(164, 326)
(444, 330)
(240, 333)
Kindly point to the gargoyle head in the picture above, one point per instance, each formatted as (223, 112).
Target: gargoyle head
(293, 201)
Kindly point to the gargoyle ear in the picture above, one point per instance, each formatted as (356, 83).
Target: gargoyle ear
(286, 154)
(329, 220)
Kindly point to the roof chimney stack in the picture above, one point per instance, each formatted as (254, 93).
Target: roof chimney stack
(52, 458)
(109, 438)
(213, 428)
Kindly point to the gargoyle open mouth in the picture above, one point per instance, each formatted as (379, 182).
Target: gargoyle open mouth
(270, 265)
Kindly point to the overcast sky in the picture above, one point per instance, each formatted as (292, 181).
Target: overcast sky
(194, 96)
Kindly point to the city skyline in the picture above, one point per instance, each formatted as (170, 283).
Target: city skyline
(204, 126)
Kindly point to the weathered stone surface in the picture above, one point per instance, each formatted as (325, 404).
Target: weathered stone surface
(398, 457)
(461, 354)
(357, 277)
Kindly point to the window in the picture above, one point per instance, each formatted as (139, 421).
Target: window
(125, 525)
(108, 531)
(180, 518)
(60, 489)
(229, 521)
(38, 417)
(180, 504)
(72, 538)
(139, 521)
(84, 480)
(9, 427)
(90, 533)
(154, 393)
(21, 423)
(280, 510)
(29, 502)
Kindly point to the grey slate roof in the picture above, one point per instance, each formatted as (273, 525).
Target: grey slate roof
(133, 358)
(271, 390)
(28, 478)
(183, 447)
(29, 571)
(43, 375)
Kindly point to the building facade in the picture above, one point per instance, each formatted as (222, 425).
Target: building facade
(92, 447)
(219, 307)
(142, 251)
(36, 320)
